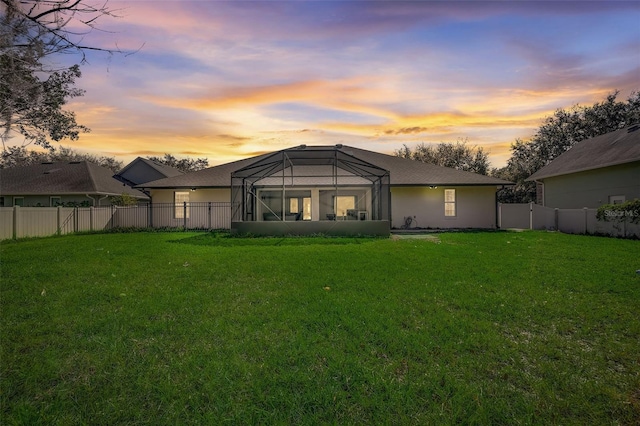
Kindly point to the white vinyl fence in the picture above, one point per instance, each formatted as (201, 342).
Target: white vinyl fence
(21, 222)
(570, 221)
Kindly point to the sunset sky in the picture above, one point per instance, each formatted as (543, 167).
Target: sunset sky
(230, 79)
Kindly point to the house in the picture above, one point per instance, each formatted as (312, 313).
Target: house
(335, 189)
(601, 170)
(142, 170)
(61, 183)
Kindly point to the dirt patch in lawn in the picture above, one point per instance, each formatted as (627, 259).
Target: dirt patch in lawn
(429, 237)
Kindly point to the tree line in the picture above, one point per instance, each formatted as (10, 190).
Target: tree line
(558, 132)
(19, 156)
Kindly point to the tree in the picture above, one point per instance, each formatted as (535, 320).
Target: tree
(457, 155)
(33, 91)
(123, 200)
(19, 156)
(184, 164)
(558, 133)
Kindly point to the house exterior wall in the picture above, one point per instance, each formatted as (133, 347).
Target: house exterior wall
(45, 200)
(213, 195)
(592, 188)
(475, 207)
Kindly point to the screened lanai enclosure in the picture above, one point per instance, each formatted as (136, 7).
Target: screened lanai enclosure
(309, 190)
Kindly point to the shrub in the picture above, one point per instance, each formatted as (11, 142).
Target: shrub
(625, 212)
(123, 200)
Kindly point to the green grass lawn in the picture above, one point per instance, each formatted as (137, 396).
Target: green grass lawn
(195, 328)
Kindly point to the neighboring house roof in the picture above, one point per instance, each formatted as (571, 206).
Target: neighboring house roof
(611, 149)
(213, 177)
(402, 171)
(142, 170)
(76, 177)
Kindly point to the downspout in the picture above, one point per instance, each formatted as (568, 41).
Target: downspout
(100, 199)
(93, 200)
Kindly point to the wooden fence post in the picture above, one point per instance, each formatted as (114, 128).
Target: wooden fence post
(91, 218)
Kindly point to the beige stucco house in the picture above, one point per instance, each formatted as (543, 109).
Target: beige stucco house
(596, 171)
(335, 189)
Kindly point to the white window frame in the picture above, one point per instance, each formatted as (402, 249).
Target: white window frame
(51, 201)
(15, 200)
(450, 207)
(179, 198)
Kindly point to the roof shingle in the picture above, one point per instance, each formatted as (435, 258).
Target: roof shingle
(402, 171)
(610, 149)
(77, 177)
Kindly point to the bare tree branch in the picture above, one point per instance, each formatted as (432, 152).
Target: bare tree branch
(33, 92)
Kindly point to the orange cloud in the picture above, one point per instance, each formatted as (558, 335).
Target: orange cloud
(351, 95)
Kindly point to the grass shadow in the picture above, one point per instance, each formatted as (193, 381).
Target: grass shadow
(226, 239)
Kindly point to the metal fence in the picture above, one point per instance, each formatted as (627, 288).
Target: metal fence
(570, 221)
(21, 222)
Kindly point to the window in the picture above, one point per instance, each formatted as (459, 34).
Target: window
(449, 202)
(295, 208)
(293, 205)
(306, 208)
(179, 199)
(18, 201)
(344, 203)
(55, 201)
(616, 199)
(540, 193)
(1, 201)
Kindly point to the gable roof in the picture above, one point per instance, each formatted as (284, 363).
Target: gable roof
(610, 149)
(402, 171)
(128, 172)
(76, 177)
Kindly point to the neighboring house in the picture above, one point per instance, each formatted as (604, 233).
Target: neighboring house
(327, 188)
(596, 171)
(142, 170)
(62, 183)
